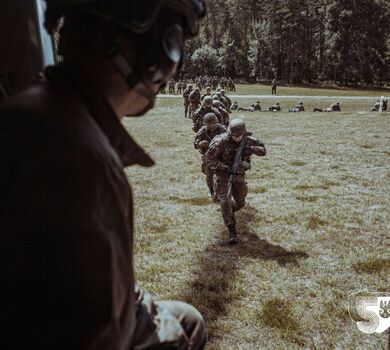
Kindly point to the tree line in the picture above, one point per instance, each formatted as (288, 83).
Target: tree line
(341, 41)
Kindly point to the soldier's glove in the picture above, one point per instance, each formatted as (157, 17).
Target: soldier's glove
(244, 166)
(204, 144)
(248, 151)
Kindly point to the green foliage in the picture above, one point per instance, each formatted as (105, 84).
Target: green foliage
(294, 40)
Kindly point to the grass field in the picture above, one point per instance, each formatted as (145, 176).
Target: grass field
(315, 228)
(306, 91)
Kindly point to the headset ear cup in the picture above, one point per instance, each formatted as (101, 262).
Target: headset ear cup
(164, 51)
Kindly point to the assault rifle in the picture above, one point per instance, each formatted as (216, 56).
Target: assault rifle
(236, 164)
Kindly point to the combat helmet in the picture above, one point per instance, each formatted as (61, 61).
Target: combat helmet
(216, 103)
(208, 101)
(237, 127)
(136, 16)
(157, 27)
(210, 119)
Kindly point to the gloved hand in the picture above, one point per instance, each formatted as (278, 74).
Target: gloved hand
(204, 144)
(248, 151)
(244, 166)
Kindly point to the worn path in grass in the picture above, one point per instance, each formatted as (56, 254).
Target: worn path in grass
(315, 230)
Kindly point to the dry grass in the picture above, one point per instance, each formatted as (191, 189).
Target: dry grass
(316, 215)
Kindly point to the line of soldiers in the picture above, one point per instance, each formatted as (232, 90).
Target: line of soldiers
(193, 100)
(226, 149)
(176, 87)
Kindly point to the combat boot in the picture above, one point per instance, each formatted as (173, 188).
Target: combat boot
(232, 234)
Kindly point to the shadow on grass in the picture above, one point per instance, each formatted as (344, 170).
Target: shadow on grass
(213, 288)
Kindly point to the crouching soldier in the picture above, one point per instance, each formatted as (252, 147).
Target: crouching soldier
(199, 114)
(224, 113)
(204, 136)
(229, 158)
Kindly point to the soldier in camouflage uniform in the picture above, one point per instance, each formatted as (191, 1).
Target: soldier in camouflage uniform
(228, 100)
(198, 115)
(186, 95)
(234, 106)
(254, 107)
(203, 138)
(224, 113)
(208, 92)
(298, 108)
(378, 104)
(275, 108)
(334, 107)
(220, 158)
(194, 99)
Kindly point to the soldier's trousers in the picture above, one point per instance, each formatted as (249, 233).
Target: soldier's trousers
(209, 175)
(229, 205)
(193, 107)
(186, 106)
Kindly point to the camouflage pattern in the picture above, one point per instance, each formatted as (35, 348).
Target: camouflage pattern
(194, 99)
(298, 108)
(197, 117)
(234, 106)
(186, 95)
(275, 108)
(202, 142)
(334, 107)
(224, 113)
(220, 158)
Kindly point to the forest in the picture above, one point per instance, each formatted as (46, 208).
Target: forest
(294, 41)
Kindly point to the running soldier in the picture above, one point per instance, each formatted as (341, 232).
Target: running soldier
(194, 99)
(208, 92)
(229, 158)
(203, 138)
(199, 114)
(228, 100)
(298, 108)
(186, 95)
(224, 113)
(334, 107)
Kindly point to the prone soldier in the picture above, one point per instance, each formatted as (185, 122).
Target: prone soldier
(229, 158)
(199, 114)
(334, 107)
(186, 95)
(378, 104)
(275, 108)
(203, 138)
(234, 106)
(254, 107)
(298, 108)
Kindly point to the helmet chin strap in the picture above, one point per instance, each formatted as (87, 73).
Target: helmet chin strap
(134, 82)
